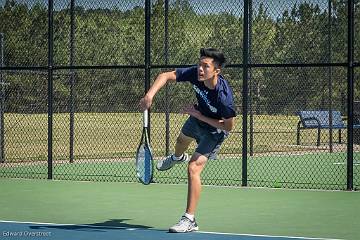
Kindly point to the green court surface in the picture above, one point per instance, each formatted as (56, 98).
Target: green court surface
(306, 170)
(260, 211)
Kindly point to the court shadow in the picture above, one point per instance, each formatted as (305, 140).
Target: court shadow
(112, 224)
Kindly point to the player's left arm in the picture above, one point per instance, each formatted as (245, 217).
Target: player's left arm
(229, 124)
(223, 124)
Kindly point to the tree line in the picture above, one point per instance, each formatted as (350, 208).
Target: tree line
(303, 34)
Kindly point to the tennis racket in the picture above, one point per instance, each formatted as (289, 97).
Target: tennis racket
(144, 159)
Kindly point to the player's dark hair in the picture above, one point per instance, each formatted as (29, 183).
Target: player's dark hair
(215, 54)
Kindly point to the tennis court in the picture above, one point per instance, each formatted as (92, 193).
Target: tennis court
(72, 74)
(98, 210)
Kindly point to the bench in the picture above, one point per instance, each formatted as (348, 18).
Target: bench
(320, 120)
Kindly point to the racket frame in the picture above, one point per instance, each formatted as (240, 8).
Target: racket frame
(144, 142)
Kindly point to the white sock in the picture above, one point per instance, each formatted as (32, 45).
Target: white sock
(177, 158)
(189, 216)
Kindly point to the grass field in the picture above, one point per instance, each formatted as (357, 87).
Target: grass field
(105, 144)
(107, 135)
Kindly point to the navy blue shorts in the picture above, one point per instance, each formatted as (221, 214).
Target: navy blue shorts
(208, 139)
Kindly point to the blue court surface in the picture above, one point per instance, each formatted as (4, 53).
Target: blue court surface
(13, 230)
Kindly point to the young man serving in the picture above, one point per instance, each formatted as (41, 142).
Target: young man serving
(209, 123)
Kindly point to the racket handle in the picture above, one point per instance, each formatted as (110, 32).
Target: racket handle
(146, 118)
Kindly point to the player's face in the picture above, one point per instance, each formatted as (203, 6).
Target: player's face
(207, 69)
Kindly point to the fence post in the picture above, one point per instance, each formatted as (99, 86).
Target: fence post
(245, 90)
(147, 52)
(50, 87)
(167, 89)
(72, 78)
(2, 101)
(350, 94)
(330, 78)
(251, 83)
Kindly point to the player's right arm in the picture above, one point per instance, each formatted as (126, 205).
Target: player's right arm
(159, 82)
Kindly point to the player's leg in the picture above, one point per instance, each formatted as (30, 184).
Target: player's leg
(195, 167)
(207, 148)
(182, 144)
(183, 141)
(187, 222)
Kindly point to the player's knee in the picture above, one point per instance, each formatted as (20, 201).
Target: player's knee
(180, 140)
(196, 165)
(193, 170)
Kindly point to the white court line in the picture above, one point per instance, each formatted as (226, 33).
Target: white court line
(269, 236)
(132, 229)
(345, 163)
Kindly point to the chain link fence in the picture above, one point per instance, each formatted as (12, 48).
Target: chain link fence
(297, 62)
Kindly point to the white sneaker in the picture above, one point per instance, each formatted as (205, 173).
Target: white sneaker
(169, 162)
(184, 225)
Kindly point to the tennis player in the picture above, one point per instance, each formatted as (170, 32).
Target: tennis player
(209, 123)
